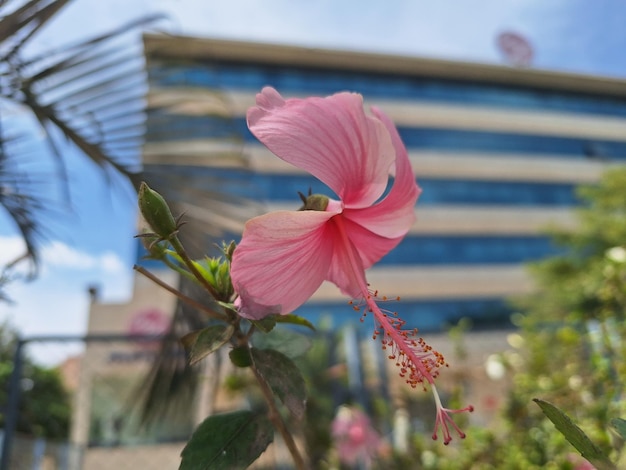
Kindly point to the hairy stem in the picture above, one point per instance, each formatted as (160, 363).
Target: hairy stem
(277, 421)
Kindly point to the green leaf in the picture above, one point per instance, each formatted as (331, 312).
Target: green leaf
(575, 436)
(295, 320)
(288, 342)
(266, 324)
(620, 426)
(283, 377)
(227, 441)
(201, 343)
(240, 356)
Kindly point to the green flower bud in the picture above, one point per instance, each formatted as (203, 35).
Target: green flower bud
(314, 202)
(156, 212)
(216, 272)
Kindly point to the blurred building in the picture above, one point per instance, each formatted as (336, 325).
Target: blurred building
(498, 152)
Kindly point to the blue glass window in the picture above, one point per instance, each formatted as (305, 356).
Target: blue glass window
(280, 187)
(426, 315)
(475, 249)
(179, 127)
(379, 85)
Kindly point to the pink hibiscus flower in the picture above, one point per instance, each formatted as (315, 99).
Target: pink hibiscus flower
(355, 438)
(285, 256)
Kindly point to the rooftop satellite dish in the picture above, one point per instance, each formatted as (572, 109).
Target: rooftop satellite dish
(515, 49)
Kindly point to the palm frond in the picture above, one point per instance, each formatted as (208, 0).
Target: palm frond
(87, 89)
(171, 384)
(21, 24)
(17, 199)
(216, 194)
(89, 93)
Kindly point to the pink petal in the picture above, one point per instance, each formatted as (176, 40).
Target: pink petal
(370, 246)
(394, 215)
(282, 259)
(346, 267)
(332, 138)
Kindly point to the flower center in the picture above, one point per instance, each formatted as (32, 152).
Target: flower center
(314, 202)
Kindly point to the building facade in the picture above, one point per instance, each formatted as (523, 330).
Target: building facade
(497, 151)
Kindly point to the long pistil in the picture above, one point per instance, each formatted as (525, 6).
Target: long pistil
(418, 362)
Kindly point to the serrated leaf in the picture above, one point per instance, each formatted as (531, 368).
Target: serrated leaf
(240, 356)
(266, 324)
(620, 426)
(283, 377)
(228, 441)
(295, 320)
(288, 342)
(575, 436)
(201, 343)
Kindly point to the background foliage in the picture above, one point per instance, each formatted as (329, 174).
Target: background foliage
(570, 353)
(45, 407)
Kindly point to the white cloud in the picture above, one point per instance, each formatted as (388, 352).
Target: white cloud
(57, 301)
(57, 254)
(10, 249)
(44, 308)
(111, 263)
(61, 255)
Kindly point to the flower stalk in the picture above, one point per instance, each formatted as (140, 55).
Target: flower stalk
(278, 422)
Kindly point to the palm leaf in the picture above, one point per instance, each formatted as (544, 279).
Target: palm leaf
(17, 200)
(21, 24)
(88, 93)
(171, 384)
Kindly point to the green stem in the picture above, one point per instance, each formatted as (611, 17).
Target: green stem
(277, 421)
(179, 269)
(178, 247)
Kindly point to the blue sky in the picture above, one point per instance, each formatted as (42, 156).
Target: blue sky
(91, 241)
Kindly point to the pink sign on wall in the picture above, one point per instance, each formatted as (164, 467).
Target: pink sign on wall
(150, 321)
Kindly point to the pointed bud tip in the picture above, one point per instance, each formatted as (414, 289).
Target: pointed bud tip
(229, 250)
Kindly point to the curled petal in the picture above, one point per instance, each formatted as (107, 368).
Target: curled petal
(268, 100)
(394, 215)
(332, 138)
(281, 261)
